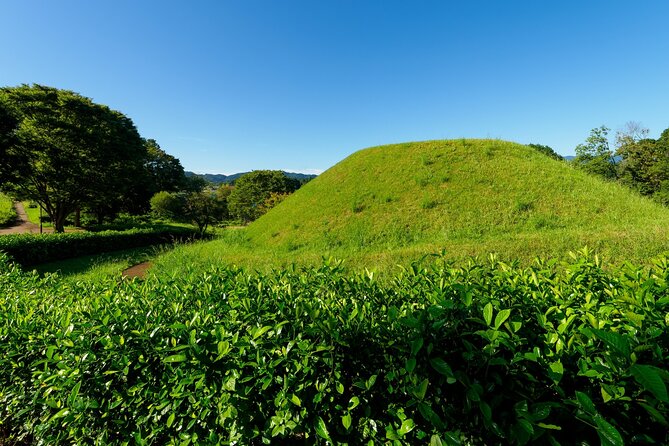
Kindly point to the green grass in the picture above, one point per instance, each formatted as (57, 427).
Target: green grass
(7, 212)
(390, 205)
(32, 212)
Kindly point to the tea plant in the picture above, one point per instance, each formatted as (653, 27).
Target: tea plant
(485, 353)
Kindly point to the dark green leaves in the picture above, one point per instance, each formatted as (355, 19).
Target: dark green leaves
(536, 355)
(650, 378)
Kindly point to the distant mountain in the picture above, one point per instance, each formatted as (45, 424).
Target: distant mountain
(218, 178)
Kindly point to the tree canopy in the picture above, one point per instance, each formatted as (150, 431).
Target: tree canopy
(595, 156)
(68, 152)
(248, 200)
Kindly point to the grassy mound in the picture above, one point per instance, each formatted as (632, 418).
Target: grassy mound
(391, 204)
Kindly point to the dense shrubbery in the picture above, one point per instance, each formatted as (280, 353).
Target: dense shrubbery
(30, 249)
(7, 212)
(483, 354)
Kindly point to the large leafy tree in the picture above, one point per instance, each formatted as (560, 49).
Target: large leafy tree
(8, 126)
(247, 201)
(162, 172)
(69, 152)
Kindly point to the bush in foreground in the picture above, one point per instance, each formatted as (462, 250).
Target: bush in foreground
(486, 353)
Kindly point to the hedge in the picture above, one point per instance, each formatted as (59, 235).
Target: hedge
(30, 249)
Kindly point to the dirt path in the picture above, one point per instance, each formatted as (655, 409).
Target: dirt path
(22, 225)
(138, 270)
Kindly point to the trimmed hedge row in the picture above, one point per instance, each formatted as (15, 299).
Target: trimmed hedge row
(30, 249)
(478, 354)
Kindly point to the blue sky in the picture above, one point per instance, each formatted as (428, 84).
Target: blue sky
(230, 86)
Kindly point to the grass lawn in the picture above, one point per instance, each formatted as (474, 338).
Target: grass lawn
(7, 213)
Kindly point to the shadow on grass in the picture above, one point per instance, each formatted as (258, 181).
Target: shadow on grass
(111, 261)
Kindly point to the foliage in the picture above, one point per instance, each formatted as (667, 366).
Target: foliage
(8, 125)
(546, 150)
(69, 152)
(644, 162)
(7, 212)
(249, 199)
(594, 156)
(485, 353)
(31, 249)
(165, 171)
(202, 208)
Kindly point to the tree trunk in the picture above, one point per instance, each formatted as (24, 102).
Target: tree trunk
(58, 219)
(77, 217)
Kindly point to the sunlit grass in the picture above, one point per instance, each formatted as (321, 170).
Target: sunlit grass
(391, 205)
(7, 213)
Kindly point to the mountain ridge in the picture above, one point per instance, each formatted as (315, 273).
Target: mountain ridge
(219, 178)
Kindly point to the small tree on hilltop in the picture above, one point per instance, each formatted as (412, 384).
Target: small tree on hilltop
(595, 156)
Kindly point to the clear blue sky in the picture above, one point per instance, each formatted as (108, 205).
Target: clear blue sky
(229, 86)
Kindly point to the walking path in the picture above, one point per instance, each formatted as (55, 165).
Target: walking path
(22, 225)
(138, 270)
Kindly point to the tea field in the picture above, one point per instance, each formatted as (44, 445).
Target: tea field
(435, 353)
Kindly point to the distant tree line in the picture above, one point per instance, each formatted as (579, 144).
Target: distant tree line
(636, 161)
(72, 156)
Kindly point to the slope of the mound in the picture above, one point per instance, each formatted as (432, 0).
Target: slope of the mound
(472, 196)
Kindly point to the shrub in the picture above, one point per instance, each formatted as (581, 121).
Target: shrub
(30, 249)
(482, 354)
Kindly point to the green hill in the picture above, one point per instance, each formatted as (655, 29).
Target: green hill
(388, 204)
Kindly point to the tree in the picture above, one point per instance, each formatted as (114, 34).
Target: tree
(69, 152)
(247, 201)
(165, 171)
(637, 156)
(202, 208)
(594, 156)
(8, 126)
(546, 150)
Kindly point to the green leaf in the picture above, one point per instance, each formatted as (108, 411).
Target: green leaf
(407, 426)
(616, 341)
(421, 389)
(557, 370)
(549, 426)
(487, 313)
(175, 358)
(502, 316)
(655, 414)
(608, 435)
(442, 367)
(322, 430)
(430, 415)
(60, 414)
(295, 400)
(346, 421)
(170, 420)
(651, 380)
(416, 345)
(435, 441)
(410, 365)
(586, 403)
(353, 403)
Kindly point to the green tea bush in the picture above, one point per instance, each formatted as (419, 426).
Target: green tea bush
(30, 249)
(486, 353)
